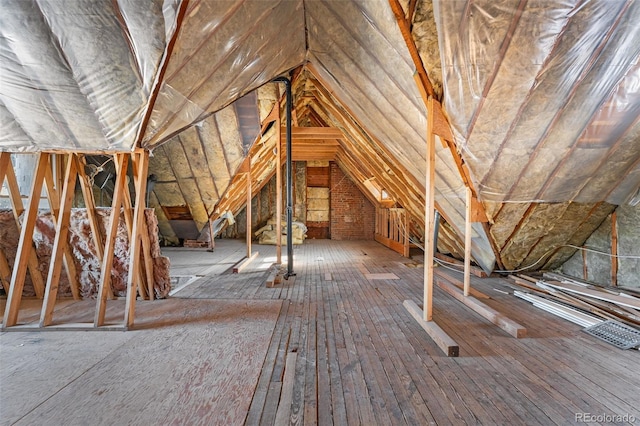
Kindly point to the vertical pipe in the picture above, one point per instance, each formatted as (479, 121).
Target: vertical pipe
(289, 209)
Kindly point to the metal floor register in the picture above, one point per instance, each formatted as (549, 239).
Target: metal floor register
(616, 333)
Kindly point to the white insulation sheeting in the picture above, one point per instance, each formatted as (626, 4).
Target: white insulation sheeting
(359, 51)
(224, 50)
(77, 74)
(544, 96)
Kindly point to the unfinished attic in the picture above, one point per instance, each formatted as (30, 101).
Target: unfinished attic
(319, 212)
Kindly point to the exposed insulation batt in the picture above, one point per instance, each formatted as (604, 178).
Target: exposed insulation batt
(83, 252)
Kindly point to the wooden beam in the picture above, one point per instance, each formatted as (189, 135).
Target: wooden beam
(25, 244)
(248, 212)
(18, 208)
(5, 161)
(53, 195)
(442, 339)
(121, 162)
(145, 276)
(242, 265)
(493, 316)
(429, 215)
(60, 246)
(92, 215)
(467, 243)
(302, 133)
(278, 186)
(128, 219)
(142, 166)
(5, 272)
(614, 249)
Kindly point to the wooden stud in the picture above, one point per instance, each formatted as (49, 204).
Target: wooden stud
(136, 239)
(128, 219)
(54, 197)
(92, 215)
(60, 243)
(18, 208)
(278, 187)
(429, 215)
(467, 243)
(121, 162)
(5, 161)
(25, 245)
(614, 249)
(5, 272)
(248, 212)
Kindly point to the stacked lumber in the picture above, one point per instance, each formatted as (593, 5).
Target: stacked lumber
(267, 234)
(582, 303)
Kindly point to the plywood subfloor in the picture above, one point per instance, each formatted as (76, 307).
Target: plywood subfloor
(343, 350)
(187, 362)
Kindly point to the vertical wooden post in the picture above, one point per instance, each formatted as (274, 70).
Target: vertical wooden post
(121, 161)
(467, 244)
(60, 242)
(248, 211)
(278, 187)
(25, 245)
(429, 214)
(614, 249)
(585, 272)
(407, 249)
(142, 166)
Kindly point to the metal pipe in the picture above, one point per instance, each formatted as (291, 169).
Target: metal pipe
(289, 183)
(436, 229)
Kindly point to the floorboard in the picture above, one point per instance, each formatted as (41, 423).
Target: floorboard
(360, 358)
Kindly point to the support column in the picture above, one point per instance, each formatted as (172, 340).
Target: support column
(614, 249)
(278, 187)
(467, 243)
(248, 211)
(429, 214)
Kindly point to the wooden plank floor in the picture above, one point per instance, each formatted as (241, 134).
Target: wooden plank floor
(362, 359)
(342, 349)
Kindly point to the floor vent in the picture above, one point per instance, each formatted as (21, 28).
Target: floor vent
(615, 333)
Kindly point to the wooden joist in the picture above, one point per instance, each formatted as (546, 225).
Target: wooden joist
(442, 339)
(242, 265)
(511, 327)
(323, 133)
